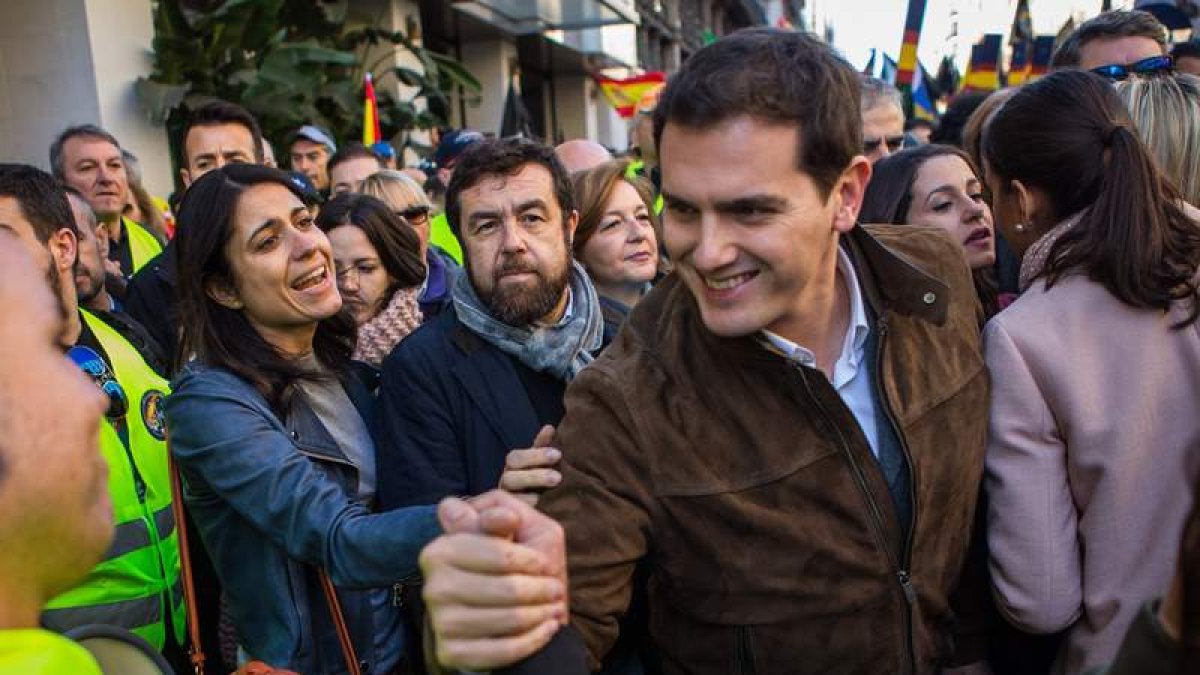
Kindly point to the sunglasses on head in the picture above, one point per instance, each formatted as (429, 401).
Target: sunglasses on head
(893, 143)
(1147, 66)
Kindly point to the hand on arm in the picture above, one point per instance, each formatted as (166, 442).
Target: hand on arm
(530, 471)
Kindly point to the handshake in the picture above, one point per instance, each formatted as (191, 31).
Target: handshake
(496, 581)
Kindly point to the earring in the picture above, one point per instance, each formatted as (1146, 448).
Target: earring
(1019, 227)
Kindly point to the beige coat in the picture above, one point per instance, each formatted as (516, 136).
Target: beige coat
(1092, 455)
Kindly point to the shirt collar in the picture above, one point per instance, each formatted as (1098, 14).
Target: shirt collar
(856, 335)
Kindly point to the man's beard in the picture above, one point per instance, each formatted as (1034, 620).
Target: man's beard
(85, 293)
(519, 304)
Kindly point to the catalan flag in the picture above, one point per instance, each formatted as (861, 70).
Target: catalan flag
(983, 70)
(371, 132)
(624, 94)
(908, 47)
(1021, 40)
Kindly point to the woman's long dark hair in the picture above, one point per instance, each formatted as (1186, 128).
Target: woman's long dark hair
(889, 197)
(222, 337)
(395, 242)
(1069, 136)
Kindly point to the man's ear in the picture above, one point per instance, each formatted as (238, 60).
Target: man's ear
(186, 177)
(64, 250)
(848, 193)
(223, 294)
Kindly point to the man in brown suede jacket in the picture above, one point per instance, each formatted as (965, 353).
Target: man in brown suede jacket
(788, 433)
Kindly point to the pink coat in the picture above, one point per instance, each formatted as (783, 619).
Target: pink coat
(1093, 452)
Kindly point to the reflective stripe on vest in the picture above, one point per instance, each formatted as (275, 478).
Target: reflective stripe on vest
(142, 563)
(442, 236)
(142, 245)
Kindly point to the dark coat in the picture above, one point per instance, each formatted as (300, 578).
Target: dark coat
(451, 406)
(150, 300)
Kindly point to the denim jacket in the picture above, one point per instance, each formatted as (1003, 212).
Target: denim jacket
(272, 501)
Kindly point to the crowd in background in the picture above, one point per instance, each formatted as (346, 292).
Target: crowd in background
(792, 384)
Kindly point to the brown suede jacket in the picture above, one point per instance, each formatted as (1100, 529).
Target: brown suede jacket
(746, 486)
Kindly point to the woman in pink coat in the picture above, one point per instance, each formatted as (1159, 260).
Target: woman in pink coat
(1094, 445)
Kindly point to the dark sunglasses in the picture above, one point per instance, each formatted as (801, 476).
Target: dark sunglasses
(1147, 66)
(414, 213)
(893, 143)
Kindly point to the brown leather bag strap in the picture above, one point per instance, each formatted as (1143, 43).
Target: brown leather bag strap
(195, 652)
(339, 622)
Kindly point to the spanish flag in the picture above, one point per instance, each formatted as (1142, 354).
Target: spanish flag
(371, 133)
(624, 94)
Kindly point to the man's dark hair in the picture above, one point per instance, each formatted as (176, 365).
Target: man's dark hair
(80, 131)
(1109, 25)
(777, 76)
(950, 129)
(40, 197)
(217, 112)
(1188, 50)
(351, 151)
(504, 157)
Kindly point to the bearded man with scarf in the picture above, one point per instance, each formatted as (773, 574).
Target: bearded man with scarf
(484, 377)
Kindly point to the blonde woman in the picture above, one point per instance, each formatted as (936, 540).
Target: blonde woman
(408, 200)
(1166, 111)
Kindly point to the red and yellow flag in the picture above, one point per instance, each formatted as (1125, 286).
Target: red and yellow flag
(625, 94)
(371, 133)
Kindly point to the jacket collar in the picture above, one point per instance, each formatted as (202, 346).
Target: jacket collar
(893, 284)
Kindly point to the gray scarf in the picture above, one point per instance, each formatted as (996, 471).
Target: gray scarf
(561, 350)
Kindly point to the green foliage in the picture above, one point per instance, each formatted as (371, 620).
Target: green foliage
(291, 62)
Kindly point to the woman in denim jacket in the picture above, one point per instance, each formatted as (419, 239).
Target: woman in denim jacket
(270, 427)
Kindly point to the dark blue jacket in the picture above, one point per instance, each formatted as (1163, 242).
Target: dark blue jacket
(272, 501)
(451, 406)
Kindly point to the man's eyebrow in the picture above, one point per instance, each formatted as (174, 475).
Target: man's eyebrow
(480, 215)
(764, 202)
(675, 200)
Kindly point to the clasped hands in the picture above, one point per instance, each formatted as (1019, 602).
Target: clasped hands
(496, 581)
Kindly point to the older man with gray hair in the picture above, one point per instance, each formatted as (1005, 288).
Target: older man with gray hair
(882, 118)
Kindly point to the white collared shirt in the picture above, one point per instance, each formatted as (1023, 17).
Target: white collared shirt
(851, 378)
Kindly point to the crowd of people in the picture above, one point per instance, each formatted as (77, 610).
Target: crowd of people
(791, 386)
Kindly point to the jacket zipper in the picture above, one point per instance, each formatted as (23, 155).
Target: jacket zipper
(910, 593)
(876, 516)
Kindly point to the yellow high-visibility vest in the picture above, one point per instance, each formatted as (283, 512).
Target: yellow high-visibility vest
(137, 584)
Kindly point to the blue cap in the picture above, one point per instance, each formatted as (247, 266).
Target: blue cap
(453, 144)
(383, 149)
(311, 132)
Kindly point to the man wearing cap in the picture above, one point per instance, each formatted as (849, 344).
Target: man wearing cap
(451, 146)
(311, 149)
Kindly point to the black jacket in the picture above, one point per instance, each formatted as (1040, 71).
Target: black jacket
(150, 300)
(451, 406)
